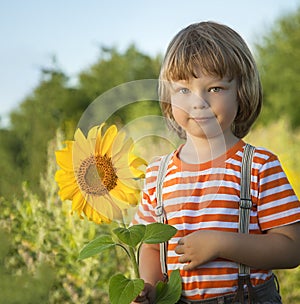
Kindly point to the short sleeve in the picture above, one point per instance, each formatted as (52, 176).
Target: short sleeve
(146, 210)
(278, 204)
(145, 213)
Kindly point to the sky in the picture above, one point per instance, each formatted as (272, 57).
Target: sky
(33, 31)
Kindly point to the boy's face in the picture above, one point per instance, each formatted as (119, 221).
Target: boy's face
(206, 106)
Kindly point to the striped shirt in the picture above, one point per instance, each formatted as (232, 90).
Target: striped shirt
(206, 196)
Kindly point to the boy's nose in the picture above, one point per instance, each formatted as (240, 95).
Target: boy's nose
(199, 102)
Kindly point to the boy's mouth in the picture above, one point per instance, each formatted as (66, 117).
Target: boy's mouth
(203, 118)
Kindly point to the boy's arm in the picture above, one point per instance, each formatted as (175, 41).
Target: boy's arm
(150, 272)
(149, 264)
(278, 248)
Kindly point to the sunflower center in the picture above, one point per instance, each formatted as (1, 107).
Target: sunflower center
(96, 175)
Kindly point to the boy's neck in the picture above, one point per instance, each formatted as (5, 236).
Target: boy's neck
(201, 150)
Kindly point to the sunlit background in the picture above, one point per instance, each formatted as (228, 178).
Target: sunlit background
(56, 58)
(33, 32)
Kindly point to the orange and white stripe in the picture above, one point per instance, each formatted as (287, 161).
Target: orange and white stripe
(206, 196)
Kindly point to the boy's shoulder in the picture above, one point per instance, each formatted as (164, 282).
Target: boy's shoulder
(264, 153)
(155, 162)
(263, 158)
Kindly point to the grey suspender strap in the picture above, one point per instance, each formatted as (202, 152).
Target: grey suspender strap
(244, 221)
(245, 201)
(245, 197)
(160, 208)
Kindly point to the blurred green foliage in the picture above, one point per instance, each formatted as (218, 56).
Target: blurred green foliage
(278, 54)
(39, 253)
(40, 240)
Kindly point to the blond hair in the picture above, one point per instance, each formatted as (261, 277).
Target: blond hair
(215, 50)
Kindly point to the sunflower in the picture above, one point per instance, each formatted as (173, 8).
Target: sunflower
(99, 173)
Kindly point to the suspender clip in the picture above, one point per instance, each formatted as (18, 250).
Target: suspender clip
(245, 203)
(159, 211)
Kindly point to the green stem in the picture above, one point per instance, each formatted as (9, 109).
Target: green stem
(134, 262)
(138, 252)
(123, 218)
(125, 249)
(131, 251)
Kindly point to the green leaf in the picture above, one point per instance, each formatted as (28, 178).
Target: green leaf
(132, 235)
(96, 246)
(158, 233)
(123, 290)
(170, 292)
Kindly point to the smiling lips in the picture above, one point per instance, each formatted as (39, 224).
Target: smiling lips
(202, 119)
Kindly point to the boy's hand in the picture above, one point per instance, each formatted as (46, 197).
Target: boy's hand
(198, 248)
(147, 296)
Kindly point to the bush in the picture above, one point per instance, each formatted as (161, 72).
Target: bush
(279, 138)
(45, 240)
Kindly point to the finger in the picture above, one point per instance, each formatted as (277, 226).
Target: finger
(179, 249)
(189, 266)
(143, 295)
(184, 259)
(141, 299)
(181, 242)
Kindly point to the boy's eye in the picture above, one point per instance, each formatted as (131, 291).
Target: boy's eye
(215, 89)
(184, 90)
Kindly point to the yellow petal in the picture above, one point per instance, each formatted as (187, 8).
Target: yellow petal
(107, 140)
(117, 206)
(95, 216)
(125, 173)
(64, 157)
(67, 192)
(78, 202)
(136, 161)
(121, 205)
(67, 184)
(82, 148)
(116, 193)
(94, 132)
(62, 176)
(125, 199)
(118, 143)
(79, 137)
(138, 173)
(102, 206)
(133, 199)
(121, 190)
(98, 137)
(124, 151)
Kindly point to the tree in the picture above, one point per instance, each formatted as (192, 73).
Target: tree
(115, 68)
(110, 75)
(278, 59)
(54, 104)
(10, 164)
(35, 122)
